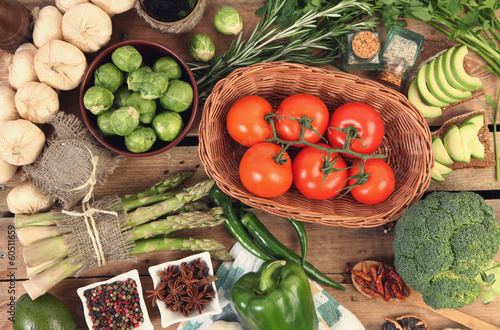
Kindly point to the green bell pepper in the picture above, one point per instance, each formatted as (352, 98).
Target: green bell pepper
(277, 297)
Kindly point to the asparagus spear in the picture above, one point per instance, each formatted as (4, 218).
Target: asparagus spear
(32, 271)
(176, 243)
(148, 213)
(168, 183)
(47, 279)
(40, 219)
(221, 255)
(30, 235)
(48, 249)
(179, 221)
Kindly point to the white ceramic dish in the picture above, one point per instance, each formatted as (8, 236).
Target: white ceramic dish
(168, 317)
(133, 274)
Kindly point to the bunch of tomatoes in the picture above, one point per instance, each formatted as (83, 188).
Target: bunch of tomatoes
(319, 170)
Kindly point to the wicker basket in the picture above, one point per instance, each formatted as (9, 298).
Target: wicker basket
(407, 141)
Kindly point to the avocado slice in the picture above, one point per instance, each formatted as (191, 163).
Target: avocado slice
(468, 133)
(428, 111)
(440, 154)
(443, 83)
(439, 171)
(457, 66)
(426, 95)
(453, 143)
(448, 72)
(434, 87)
(435, 175)
(477, 148)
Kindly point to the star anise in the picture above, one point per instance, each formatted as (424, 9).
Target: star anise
(188, 278)
(157, 293)
(175, 289)
(167, 273)
(177, 305)
(186, 267)
(204, 281)
(195, 300)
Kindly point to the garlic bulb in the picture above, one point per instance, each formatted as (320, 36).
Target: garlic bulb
(113, 7)
(8, 110)
(65, 5)
(37, 102)
(21, 67)
(48, 25)
(21, 142)
(7, 171)
(60, 65)
(27, 198)
(87, 26)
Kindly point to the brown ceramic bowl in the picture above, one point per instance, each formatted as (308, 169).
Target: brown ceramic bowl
(150, 51)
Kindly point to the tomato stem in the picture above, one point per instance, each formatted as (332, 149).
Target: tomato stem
(351, 132)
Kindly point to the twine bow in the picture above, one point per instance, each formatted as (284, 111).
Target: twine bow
(88, 211)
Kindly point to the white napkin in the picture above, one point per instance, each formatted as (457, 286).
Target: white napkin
(331, 314)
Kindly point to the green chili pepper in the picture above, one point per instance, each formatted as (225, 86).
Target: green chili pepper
(301, 233)
(277, 250)
(233, 223)
(277, 297)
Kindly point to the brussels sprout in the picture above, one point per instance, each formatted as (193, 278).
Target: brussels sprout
(121, 96)
(168, 65)
(201, 47)
(109, 77)
(179, 96)
(98, 99)
(228, 21)
(103, 122)
(140, 140)
(146, 108)
(150, 84)
(168, 125)
(127, 58)
(124, 120)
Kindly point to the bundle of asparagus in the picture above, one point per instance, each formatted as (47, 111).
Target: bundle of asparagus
(151, 215)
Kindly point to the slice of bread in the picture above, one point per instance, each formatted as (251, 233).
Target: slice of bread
(484, 137)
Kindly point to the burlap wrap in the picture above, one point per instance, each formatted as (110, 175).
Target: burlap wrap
(72, 162)
(98, 236)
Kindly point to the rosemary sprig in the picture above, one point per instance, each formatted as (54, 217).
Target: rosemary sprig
(315, 37)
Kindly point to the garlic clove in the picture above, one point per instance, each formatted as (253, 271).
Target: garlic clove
(21, 142)
(21, 68)
(87, 26)
(48, 25)
(65, 5)
(7, 171)
(37, 102)
(113, 7)
(8, 110)
(60, 64)
(27, 198)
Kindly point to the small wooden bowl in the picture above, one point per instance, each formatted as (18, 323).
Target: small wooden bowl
(150, 51)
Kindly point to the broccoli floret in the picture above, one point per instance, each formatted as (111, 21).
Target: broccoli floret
(473, 249)
(449, 290)
(442, 243)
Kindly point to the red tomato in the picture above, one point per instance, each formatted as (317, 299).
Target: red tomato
(379, 186)
(363, 117)
(299, 105)
(261, 175)
(246, 123)
(309, 178)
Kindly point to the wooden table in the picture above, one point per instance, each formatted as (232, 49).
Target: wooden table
(332, 249)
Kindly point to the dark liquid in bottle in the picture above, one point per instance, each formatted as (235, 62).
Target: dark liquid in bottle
(168, 10)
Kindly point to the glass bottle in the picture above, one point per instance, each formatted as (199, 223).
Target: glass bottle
(362, 51)
(15, 25)
(399, 55)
